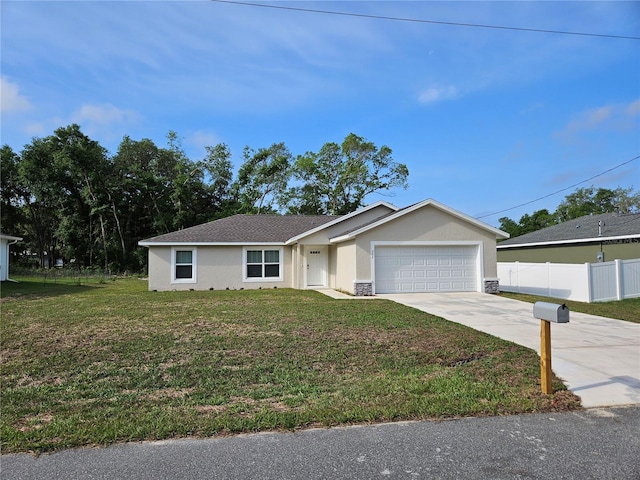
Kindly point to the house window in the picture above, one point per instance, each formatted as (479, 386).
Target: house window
(262, 264)
(183, 265)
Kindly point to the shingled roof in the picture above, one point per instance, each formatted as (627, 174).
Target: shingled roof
(245, 229)
(582, 229)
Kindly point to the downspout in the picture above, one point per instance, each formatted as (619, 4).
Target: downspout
(13, 242)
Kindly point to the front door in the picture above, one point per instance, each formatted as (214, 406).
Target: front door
(316, 266)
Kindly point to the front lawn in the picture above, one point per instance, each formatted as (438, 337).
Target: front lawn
(628, 309)
(111, 362)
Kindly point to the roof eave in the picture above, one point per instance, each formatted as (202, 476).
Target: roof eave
(206, 244)
(562, 242)
(341, 238)
(10, 237)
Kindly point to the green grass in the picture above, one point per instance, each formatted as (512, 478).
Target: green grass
(628, 309)
(111, 362)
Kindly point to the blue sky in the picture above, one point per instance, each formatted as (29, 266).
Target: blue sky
(485, 119)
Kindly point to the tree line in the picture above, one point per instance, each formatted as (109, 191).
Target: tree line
(584, 201)
(70, 199)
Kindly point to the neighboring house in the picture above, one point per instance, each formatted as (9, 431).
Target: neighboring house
(588, 239)
(377, 249)
(5, 241)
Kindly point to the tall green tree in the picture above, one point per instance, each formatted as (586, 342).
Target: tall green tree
(188, 192)
(82, 170)
(528, 223)
(136, 198)
(338, 178)
(41, 200)
(65, 202)
(263, 178)
(160, 190)
(587, 201)
(219, 172)
(70, 199)
(584, 201)
(12, 191)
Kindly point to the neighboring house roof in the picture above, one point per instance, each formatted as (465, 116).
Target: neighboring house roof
(404, 211)
(612, 226)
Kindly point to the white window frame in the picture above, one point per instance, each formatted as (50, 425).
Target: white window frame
(194, 265)
(279, 278)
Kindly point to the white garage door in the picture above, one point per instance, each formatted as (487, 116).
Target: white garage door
(426, 269)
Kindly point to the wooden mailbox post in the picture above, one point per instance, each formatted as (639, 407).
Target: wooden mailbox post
(547, 313)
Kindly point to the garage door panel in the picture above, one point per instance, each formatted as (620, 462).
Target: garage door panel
(425, 269)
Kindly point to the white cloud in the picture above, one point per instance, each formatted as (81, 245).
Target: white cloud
(532, 108)
(616, 117)
(103, 122)
(10, 99)
(200, 139)
(35, 129)
(437, 94)
(589, 120)
(633, 109)
(103, 115)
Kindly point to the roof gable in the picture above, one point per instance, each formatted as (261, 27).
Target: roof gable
(412, 208)
(344, 218)
(582, 229)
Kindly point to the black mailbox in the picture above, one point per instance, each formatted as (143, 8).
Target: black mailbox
(551, 312)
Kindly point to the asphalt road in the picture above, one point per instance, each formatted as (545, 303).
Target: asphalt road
(591, 444)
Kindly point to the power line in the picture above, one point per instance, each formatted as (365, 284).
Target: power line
(434, 22)
(563, 190)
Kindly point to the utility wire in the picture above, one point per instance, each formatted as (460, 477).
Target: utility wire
(457, 24)
(417, 20)
(563, 190)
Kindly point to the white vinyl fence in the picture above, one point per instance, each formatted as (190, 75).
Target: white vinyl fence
(586, 282)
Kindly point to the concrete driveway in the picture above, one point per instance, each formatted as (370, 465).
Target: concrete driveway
(598, 358)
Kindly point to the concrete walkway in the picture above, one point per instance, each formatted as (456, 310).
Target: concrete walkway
(597, 357)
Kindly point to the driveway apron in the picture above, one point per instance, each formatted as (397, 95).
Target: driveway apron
(598, 358)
